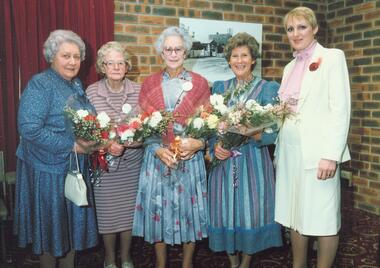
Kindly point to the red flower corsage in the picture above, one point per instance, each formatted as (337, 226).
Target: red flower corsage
(315, 65)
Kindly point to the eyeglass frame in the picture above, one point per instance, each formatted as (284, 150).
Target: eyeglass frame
(110, 64)
(168, 51)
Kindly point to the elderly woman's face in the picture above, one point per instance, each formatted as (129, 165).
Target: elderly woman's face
(173, 52)
(300, 33)
(66, 61)
(114, 66)
(241, 61)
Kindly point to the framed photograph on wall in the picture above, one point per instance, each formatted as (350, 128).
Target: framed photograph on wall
(209, 38)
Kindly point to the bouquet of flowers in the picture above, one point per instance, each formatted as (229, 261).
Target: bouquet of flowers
(203, 124)
(88, 126)
(142, 126)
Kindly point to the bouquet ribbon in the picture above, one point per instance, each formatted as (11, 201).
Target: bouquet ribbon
(99, 161)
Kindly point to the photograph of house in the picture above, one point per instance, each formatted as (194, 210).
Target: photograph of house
(206, 56)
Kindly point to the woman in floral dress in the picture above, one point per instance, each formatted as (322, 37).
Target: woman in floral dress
(171, 206)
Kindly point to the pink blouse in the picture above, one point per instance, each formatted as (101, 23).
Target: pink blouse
(291, 85)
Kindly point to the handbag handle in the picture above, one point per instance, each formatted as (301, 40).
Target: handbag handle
(76, 158)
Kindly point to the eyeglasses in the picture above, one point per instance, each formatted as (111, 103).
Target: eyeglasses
(111, 64)
(177, 50)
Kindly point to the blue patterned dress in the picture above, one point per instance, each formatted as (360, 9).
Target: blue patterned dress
(43, 216)
(171, 204)
(241, 210)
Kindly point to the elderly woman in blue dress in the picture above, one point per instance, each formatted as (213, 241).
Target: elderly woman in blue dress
(43, 216)
(241, 187)
(171, 205)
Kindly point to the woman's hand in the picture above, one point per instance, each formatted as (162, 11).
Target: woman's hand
(167, 157)
(133, 145)
(326, 169)
(257, 135)
(84, 147)
(221, 153)
(115, 148)
(189, 146)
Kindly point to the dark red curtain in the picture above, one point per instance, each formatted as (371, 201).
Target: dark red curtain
(25, 25)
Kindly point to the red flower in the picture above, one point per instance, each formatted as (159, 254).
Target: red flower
(105, 135)
(145, 115)
(315, 65)
(135, 125)
(121, 128)
(156, 217)
(90, 117)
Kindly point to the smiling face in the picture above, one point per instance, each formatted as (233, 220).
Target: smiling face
(241, 62)
(114, 66)
(173, 53)
(66, 61)
(300, 32)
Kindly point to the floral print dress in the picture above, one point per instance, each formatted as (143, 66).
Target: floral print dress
(171, 204)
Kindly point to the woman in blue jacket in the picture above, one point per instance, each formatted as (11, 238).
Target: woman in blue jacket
(43, 216)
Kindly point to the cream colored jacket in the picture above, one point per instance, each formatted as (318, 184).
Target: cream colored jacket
(324, 108)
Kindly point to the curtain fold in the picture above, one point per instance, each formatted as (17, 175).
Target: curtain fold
(25, 25)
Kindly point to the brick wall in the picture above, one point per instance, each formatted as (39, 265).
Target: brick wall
(352, 25)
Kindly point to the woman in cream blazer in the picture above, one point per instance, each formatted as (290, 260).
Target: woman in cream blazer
(312, 143)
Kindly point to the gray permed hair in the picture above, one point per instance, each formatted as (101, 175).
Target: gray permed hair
(108, 47)
(57, 38)
(174, 31)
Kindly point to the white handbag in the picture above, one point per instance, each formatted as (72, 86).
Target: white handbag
(75, 187)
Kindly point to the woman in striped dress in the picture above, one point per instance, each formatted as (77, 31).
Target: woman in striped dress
(241, 187)
(116, 193)
(171, 205)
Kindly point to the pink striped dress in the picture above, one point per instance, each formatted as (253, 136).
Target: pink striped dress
(115, 197)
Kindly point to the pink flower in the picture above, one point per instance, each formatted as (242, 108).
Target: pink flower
(199, 234)
(315, 65)
(156, 217)
(177, 222)
(180, 189)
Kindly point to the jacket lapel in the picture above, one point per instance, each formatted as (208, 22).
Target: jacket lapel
(310, 77)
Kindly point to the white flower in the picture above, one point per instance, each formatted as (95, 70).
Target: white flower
(198, 123)
(216, 99)
(212, 121)
(268, 130)
(251, 104)
(112, 134)
(103, 119)
(126, 108)
(223, 109)
(187, 86)
(127, 135)
(155, 119)
(268, 107)
(235, 117)
(82, 113)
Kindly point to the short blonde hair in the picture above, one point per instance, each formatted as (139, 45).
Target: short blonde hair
(303, 12)
(105, 49)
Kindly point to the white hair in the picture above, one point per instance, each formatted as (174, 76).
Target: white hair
(57, 38)
(174, 31)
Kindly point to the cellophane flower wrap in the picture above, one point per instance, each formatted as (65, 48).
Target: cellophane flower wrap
(240, 121)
